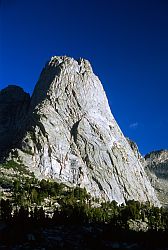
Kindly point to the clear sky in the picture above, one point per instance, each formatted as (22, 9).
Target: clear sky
(126, 42)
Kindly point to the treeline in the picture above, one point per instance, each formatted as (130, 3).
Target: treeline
(77, 212)
(81, 213)
(75, 206)
(31, 191)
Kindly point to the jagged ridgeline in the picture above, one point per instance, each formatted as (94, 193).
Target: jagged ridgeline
(67, 132)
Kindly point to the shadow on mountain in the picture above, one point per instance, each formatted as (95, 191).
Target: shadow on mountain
(16, 111)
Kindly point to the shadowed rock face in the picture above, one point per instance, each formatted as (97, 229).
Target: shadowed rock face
(157, 167)
(73, 137)
(157, 162)
(14, 103)
(135, 149)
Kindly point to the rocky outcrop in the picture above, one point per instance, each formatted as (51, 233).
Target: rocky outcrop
(157, 162)
(72, 136)
(14, 104)
(156, 167)
(157, 170)
(138, 225)
(135, 149)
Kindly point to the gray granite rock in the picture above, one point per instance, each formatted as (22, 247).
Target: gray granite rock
(137, 225)
(73, 137)
(135, 149)
(156, 166)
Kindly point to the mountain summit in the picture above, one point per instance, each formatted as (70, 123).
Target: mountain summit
(70, 135)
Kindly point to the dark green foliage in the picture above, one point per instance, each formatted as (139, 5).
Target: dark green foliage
(17, 166)
(31, 191)
(77, 207)
(6, 210)
(5, 182)
(10, 164)
(81, 194)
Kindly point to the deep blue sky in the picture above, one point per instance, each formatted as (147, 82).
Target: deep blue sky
(126, 42)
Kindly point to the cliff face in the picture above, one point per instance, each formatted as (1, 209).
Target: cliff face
(157, 162)
(72, 136)
(14, 104)
(135, 149)
(157, 167)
